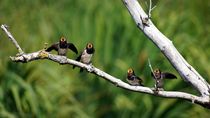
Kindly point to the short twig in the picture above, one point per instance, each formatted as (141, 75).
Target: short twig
(150, 66)
(145, 20)
(150, 9)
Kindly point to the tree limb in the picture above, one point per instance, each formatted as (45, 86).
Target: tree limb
(117, 82)
(42, 54)
(11, 38)
(187, 72)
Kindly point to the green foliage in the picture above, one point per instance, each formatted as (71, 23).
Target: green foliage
(47, 89)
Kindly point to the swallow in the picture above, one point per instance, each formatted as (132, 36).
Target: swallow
(133, 79)
(86, 55)
(62, 47)
(158, 76)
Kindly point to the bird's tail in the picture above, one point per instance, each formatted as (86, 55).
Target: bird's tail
(141, 84)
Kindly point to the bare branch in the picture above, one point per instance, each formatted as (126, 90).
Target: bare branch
(117, 82)
(11, 38)
(187, 72)
(42, 54)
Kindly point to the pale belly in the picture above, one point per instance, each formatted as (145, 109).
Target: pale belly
(62, 51)
(86, 58)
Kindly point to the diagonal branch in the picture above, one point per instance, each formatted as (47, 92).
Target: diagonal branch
(11, 38)
(187, 72)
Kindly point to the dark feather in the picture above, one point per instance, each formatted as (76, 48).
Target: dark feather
(152, 74)
(72, 47)
(93, 50)
(140, 81)
(167, 75)
(90, 50)
(52, 47)
(77, 59)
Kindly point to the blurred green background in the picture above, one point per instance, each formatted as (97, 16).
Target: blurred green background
(46, 89)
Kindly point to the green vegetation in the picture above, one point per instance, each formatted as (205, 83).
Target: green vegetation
(46, 89)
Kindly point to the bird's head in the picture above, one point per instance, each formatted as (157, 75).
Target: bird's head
(157, 73)
(130, 72)
(90, 48)
(63, 41)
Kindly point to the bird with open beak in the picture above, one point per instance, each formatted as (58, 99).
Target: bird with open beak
(133, 79)
(158, 76)
(62, 47)
(86, 56)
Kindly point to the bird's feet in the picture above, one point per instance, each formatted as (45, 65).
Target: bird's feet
(90, 68)
(156, 90)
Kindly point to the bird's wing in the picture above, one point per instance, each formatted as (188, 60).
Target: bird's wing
(93, 50)
(77, 59)
(52, 47)
(72, 47)
(140, 81)
(167, 75)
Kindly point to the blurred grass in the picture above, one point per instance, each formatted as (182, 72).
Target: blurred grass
(47, 89)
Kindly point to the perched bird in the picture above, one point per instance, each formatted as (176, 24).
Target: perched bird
(133, 79)
(62, 46)
(86, 55)
(159, 76)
